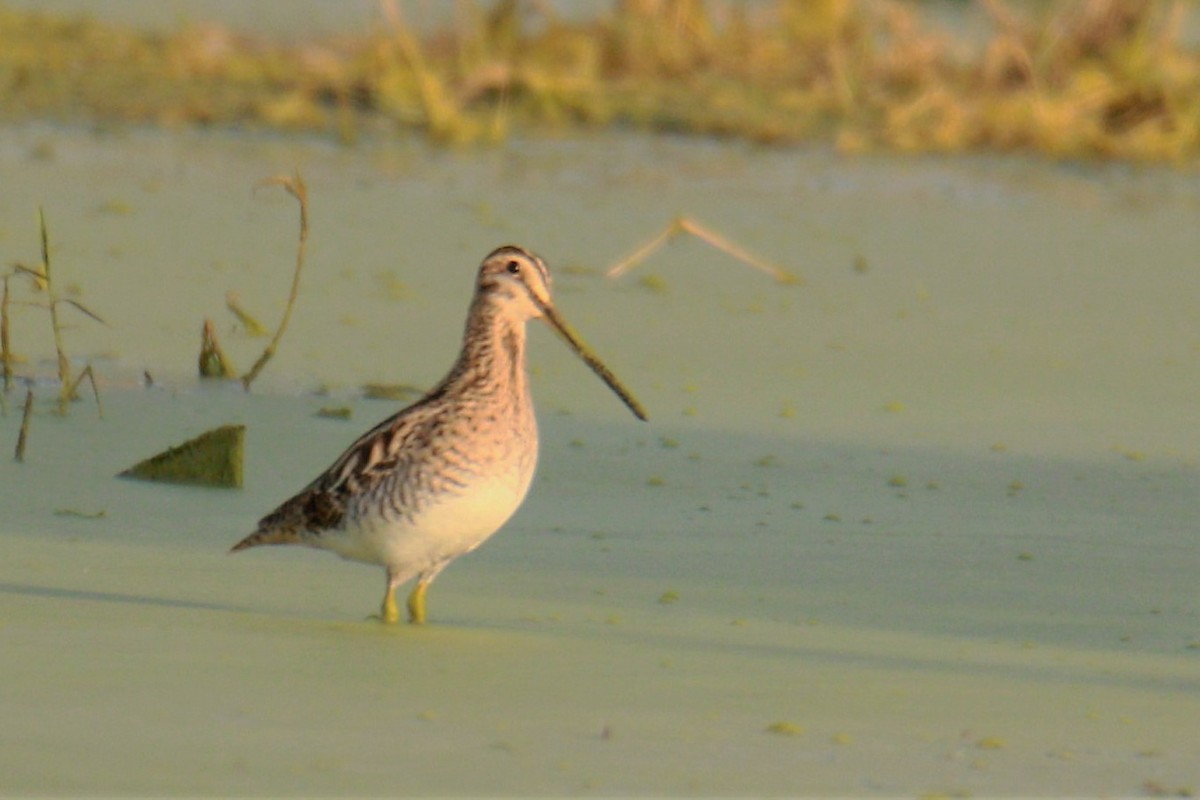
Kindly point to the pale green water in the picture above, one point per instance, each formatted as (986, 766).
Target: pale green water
(1018, 617)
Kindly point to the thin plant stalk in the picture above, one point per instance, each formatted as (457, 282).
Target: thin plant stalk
(643, 251)
(6, 355)
(253, 326)
(681, 225)
(296, 188)
(714, 239)
(23, 435)
(65, 394)
(91, 378)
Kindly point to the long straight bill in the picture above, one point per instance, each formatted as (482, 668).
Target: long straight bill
(568, 334)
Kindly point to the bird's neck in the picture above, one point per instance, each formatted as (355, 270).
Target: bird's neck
(493, 354)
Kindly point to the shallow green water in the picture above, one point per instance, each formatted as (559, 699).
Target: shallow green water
(936, 511)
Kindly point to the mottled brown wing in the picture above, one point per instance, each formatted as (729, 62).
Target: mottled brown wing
(322, 505)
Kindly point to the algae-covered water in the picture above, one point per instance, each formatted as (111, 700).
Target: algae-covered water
(923, 524)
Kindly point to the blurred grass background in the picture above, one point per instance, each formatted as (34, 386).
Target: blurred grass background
(1092, 79)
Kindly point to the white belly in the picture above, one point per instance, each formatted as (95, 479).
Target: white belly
(444, 529)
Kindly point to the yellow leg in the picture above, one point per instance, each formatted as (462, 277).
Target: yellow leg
(390, 612)
(416, 604)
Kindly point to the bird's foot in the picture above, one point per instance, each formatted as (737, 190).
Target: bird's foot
(416, 605)
(389, 613)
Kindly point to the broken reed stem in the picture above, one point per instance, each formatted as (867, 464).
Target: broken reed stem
(6, 356)
(682, 225)
(23, 436)
(296, 188)
(91, 377)
(42, 277)
(643, 251)
(718, 241)
(212, 362)
(253, 326)
(65, 394)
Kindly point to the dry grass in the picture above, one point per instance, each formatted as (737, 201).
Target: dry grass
(296, 187)
(41, 279)
(1088, 78)
(213, 363)
(686, 225)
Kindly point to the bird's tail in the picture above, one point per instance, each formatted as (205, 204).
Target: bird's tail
(295, 521)
(265, 535)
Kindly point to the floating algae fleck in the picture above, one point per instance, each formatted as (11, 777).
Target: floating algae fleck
(784, 728)
(115, 207)
(72, 512)
(653, 283)
(213, 458)
(391, 391)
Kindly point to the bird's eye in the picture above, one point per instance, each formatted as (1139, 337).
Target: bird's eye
(514, 267)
